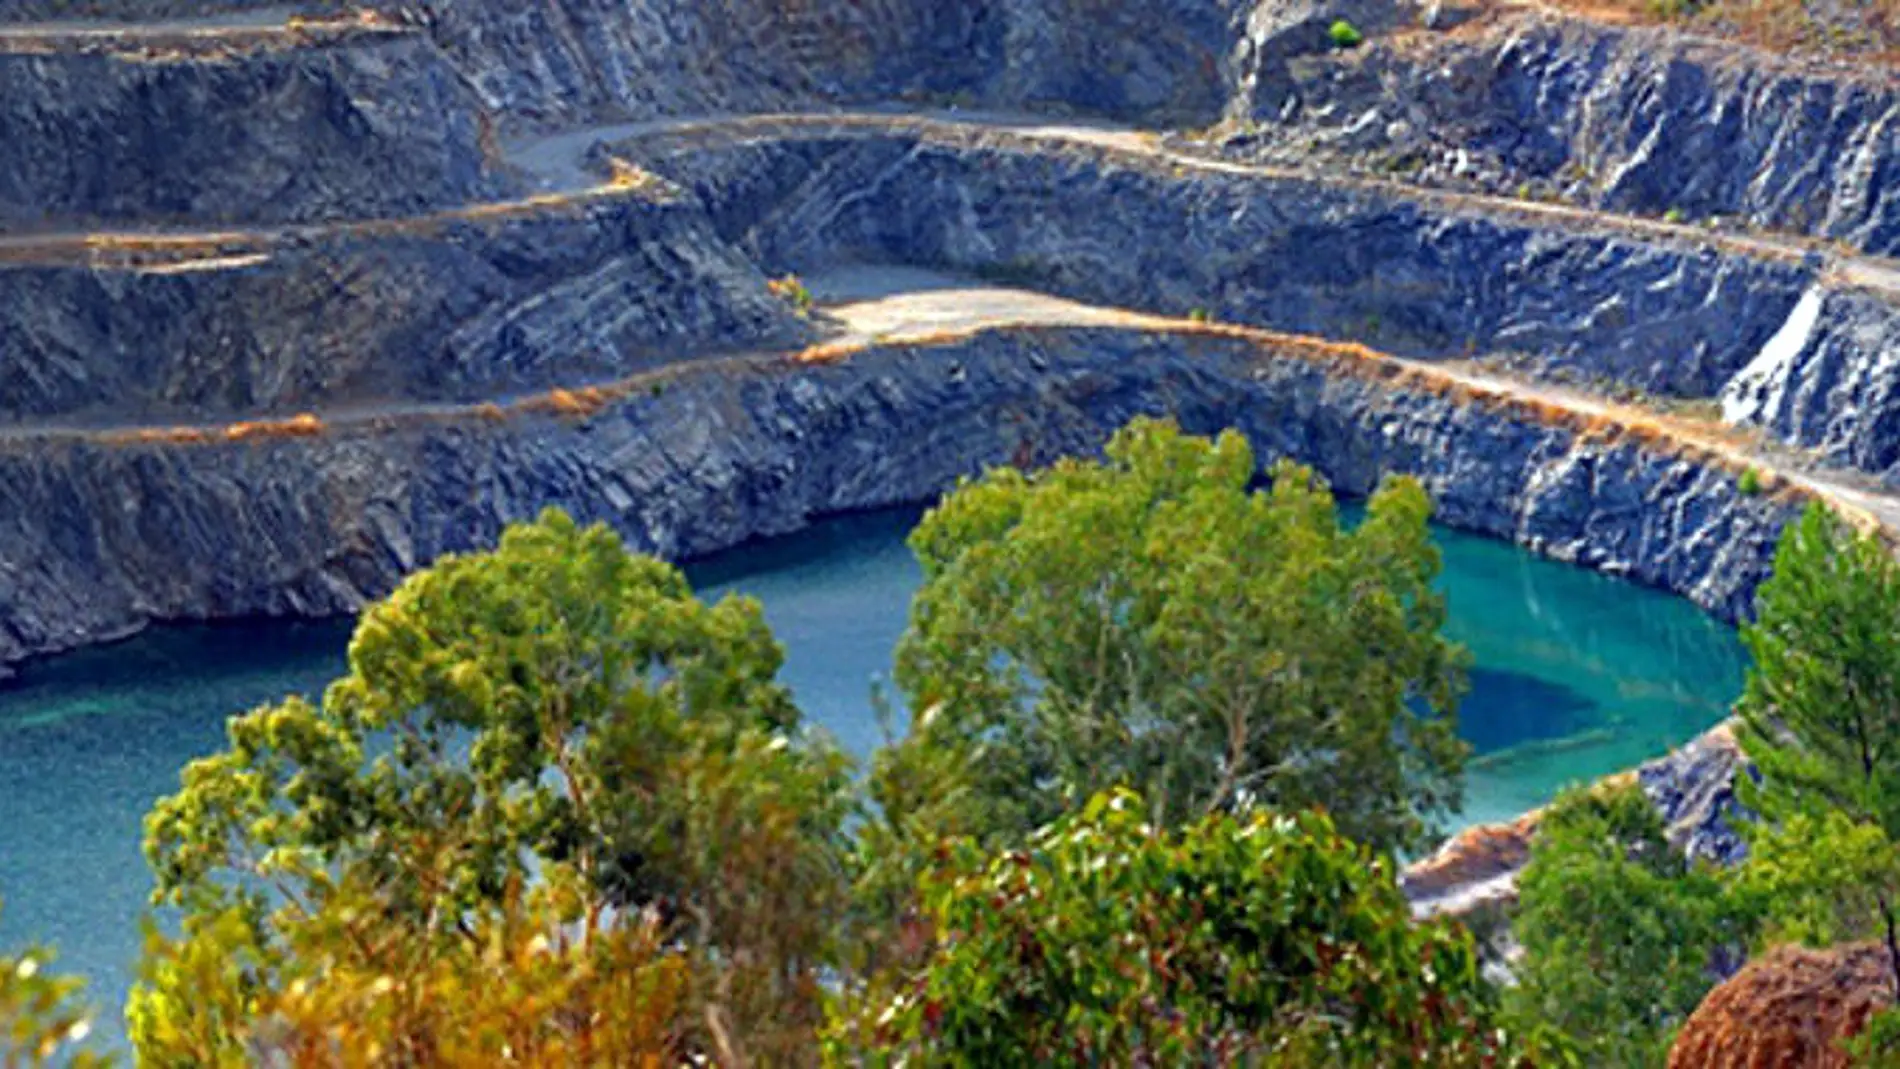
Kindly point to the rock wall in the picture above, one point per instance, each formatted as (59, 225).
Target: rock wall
(97, 540)
(460, 309)
(1635, 120)
(19, 11)
(1357, 261)
(367, 125)
(566, 61)
(1830, 381)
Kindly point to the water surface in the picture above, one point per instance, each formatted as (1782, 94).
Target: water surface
(1577, 676)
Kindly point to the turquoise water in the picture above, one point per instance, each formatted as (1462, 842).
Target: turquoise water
(1578, 676)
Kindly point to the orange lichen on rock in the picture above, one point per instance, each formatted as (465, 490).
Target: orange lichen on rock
(1787, 1010)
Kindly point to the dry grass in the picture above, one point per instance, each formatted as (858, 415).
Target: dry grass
(303, 425)
(1850, 29)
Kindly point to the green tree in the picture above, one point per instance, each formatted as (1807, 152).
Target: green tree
(556, 706)
(1152, 622)
(1821, 721)
(41, 1022)
(1620, 932)
(1263, 940)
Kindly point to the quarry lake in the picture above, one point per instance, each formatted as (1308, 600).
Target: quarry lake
(1577, 675)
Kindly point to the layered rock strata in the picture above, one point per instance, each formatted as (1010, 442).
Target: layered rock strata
(1116, 223)
(261, 125)
(1626, 118)
(463, 306)
(100, 535)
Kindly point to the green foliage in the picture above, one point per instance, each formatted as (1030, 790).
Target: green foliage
(1749, 484)
(1104, 941)
(41, 1022)
(1619, 931)
(792, 290)
(556, 706)
(1345, 35)
(518, 987)
(1821, 721)
(1151, 622)
(1673, 215)
(1877, 1045)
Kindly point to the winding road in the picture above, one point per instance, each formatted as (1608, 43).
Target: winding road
(882, 304)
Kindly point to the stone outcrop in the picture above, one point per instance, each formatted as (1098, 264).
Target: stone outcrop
(1829, 381)
(459, 308)
(1791, 1008)
(287, 127)
(1693, 789)
(99, 538)
(1426, 277)
(552, 62)
(1631, 119)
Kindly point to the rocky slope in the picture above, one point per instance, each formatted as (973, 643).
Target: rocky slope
(1693, 789)
(99, 537)
(1365, 261)
(1827, 382)
(565, 61)
(459, 308)
(1632, 119)
(283, 127)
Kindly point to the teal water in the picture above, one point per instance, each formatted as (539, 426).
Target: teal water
(1577, 676)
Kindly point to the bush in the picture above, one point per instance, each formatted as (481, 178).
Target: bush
(1618, 929)
(1749, 484)
(1265, 939)
(1345, 35)
(792, 290)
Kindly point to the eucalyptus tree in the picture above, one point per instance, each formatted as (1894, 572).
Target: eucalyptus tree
(556, 733)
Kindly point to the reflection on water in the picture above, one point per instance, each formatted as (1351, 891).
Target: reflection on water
(1577, 676)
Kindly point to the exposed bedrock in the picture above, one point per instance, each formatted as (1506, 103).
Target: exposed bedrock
(1639, 120)
(1359, 261)
(97, 540)
(35, 11)
(562, 61)
(1830, 379)
(1692, 788)
(369, 124)
(462, 308)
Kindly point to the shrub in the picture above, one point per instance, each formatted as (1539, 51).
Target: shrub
(1749, 484)
(1264, 939)
(1345, 35)
(792, 290)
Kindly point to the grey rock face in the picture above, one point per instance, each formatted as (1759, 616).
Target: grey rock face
(365, 126)
(98, 540)
(1357, 261)
(1631, 119)
(464, 309)
(576, 60)
(1694, 789)
(1830, 383)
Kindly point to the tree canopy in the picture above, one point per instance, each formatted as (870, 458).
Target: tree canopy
(41, 1019)
(557, 713)
(1152, 621)
(1620, 932)
(1821, 721)
(1104, 940)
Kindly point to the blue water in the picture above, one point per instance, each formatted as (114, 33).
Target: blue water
(1577, 676)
